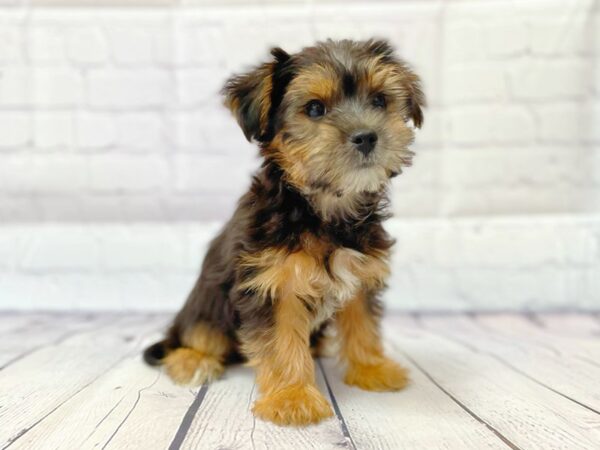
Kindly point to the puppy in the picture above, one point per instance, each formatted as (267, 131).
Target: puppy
(305, 248)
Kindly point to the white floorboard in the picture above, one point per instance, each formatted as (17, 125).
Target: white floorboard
(521, 411)
(41, 332)
(420, 416)
(229, 401)
(569, 365)
(478, 381)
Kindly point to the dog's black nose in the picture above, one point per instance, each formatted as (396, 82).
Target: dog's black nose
(364, 141)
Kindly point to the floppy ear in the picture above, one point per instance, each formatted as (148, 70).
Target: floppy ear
(410, 81)
(415, 101)
(254, 97)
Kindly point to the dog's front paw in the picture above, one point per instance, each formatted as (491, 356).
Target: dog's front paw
(293, 405)
(384, 376)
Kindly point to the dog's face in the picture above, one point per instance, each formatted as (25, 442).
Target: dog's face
(333, 116)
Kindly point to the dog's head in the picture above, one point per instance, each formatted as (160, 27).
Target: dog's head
(335, 117)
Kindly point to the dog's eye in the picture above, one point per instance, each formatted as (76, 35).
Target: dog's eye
(315, 108)
(379, 101)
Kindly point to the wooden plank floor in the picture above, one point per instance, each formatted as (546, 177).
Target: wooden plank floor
(75, 381)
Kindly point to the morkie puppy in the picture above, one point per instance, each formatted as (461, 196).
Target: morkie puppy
(305, 249)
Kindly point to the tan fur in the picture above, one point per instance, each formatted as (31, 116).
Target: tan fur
(320, 153)
(206, 339)
(190, 367)
(285, 368)
(361, 348)
(305, 273)
(201, 360)
(384, 376)
(318, 82)
(265, 94)
(283, 357)
(260, 81)
(294, 405)
(305, 248)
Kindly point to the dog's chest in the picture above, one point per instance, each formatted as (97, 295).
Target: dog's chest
(321, 275)
(340, 275)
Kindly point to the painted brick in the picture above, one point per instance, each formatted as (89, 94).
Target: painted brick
(511, 126)
(591, 130)
(213, 173)
(131, 45)
(145, 247)
(588, 287)
(128, 88)
(87, 46)
(469, 125)
(424, 173)
(422, 202)
(200, 207)
(12, 245)
(53, 129)
(595, 39)
(53, 250)
(58, 207)
(141, 131)
(127, 173)
(472, 168)
(95, 130)
(427, 288)
(47, 45)
(198, 86)
(567, 35)
(550, 79)
(500, 247)
(16, 129)
(477, 125)
(515, 167)
(432, 132)
(11, 43)
(45, 174)
(475, 82)
(16, 87)
(560, 122)
(210, 130)
(477, 263)
(192, 44)
(463, 42)
(165, 48)
(57, 87)
(506, 39)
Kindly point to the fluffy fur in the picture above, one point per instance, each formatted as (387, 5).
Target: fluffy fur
(305, 249)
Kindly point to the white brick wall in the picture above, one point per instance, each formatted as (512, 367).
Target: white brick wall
(438, 264)
(503, 78)
(112, 115)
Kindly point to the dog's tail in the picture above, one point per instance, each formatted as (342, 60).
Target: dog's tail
(155, 354)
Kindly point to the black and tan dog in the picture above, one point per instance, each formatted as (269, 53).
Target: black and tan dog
(305, 249)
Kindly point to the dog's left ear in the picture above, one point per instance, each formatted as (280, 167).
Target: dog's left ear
(410, 81)
(415, 101)
(254, 97)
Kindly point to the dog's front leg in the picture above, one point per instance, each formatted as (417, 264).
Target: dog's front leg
(285, 371)
(361, 348)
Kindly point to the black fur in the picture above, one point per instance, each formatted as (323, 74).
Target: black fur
(280, 79)
(349, 85)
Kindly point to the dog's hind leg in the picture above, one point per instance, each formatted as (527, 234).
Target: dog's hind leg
(201, 357)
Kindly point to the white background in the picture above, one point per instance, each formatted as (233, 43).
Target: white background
(118, 162)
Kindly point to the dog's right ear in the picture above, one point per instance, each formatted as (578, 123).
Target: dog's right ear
(254, 97)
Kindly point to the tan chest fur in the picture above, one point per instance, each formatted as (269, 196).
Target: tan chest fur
(322, 276)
